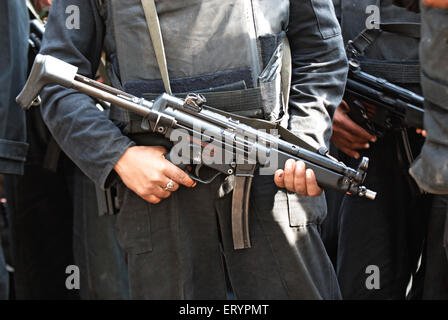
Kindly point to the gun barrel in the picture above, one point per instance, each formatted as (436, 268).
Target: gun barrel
(371, 195)
(399, 102)
(386, 87)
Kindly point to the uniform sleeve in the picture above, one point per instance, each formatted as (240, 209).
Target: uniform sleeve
(430, 169)
(83, 132)
(13, 57)
(319, 69)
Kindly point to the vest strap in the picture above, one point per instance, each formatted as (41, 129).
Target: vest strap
(394, 72)
(235, 101)
(367, 37)
(286, 72)
(152, 19)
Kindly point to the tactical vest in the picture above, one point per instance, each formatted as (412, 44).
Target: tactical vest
(392, 55)
(230, 51)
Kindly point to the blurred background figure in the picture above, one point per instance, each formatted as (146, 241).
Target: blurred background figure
(42, 7)
(387, 233)
(4, 277)
(13, 68)
(430, 170)
(39, 211)
(53, 215)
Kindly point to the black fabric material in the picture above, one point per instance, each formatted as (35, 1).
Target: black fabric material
(4, 276)
(103, 270)
(165, 243)
(394, 71)
(268, 44)
(330, 226)
(14, 26)
(38, 135)
(431, 169)
(318, 70)
(41, 217)
(193, 84)
(387, 232)
(411, 5)
(235, 101)
(168, 258)
(435, 285)
(54, 223)
(79, 142)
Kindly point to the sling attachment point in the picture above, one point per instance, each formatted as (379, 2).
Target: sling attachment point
(367, 37)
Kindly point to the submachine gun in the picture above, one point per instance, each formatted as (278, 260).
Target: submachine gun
(209, 132)
(378, 105)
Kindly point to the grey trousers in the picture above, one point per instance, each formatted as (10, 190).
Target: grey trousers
(180, 248)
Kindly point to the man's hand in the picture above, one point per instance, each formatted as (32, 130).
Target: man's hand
(421, 132)
(441, 4)
(296, 178)
(347, 135)
(145, 171)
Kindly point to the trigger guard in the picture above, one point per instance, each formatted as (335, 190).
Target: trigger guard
(196, 175)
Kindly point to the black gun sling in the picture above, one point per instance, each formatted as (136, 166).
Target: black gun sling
(396, 72)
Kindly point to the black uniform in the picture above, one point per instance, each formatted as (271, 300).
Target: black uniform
(387, 232)
(178, 248)
(430, 170)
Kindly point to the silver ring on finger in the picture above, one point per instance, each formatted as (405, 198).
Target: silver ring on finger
(169, 186)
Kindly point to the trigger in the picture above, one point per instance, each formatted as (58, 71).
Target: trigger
(197, 169)
(197, 177)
